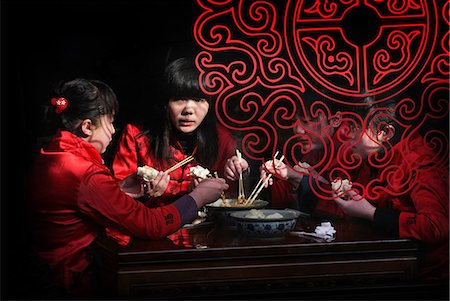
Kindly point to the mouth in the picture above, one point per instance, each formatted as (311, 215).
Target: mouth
(304, 141)
(186, 122)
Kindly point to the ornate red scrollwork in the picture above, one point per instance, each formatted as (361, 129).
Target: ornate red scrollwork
(263, 59)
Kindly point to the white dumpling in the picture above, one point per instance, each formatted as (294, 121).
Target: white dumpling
(147, 173)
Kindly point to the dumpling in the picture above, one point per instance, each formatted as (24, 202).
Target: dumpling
(199, 172)
(147, 173)
(341, 186)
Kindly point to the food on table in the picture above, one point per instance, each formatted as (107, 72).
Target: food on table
(199, 172)
(254, 213)
(228, 203)
(341, 186)
(147, 173)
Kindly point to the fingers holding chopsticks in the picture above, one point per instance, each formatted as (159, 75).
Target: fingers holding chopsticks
(274, 167)
(235, 167)
(265, 179)
(158, 185)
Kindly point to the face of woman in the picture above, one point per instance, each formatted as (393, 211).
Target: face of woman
(312, 132)
(102, 133)
(187, 114)
(367, 142)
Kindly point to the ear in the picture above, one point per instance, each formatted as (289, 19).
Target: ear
(386, 134)
(86, 127)
(336, 120)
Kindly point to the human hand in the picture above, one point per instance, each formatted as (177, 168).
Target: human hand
(234, 167)
(208, 191)
(274, 167)
(355, 205)
(158, 185)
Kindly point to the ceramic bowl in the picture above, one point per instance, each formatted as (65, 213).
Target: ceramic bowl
(220, 214)
(259, 227)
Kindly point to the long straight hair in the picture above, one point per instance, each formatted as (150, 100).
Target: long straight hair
(181, 80)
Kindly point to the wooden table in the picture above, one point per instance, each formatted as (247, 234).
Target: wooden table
(212, 261)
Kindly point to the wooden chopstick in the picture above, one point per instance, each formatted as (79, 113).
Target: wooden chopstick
(179, 164)
(260, 180)
(241, 183)
(261, 184)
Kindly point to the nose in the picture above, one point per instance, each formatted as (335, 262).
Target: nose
(113, 129)
(298, 128)
(189, 107)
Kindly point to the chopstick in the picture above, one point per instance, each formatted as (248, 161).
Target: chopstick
(222, 194)
(241, 195)
(258, 188)
(259, 182)
(179, 164)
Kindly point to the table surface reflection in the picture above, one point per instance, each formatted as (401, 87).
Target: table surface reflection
(219, 260)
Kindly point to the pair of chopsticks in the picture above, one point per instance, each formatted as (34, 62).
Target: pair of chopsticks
(241, 192)
(260, 185)
(179, 164)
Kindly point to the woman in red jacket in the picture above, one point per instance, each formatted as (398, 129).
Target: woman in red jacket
(400, 185)
(183, 125)
(73, 196)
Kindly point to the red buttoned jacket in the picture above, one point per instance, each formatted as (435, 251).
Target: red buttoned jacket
(73, 197)
(133, 151)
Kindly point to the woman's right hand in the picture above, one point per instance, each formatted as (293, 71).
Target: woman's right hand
(277, 168)
(234, 167)
(283, 171)
(208, 191)
(158, 185)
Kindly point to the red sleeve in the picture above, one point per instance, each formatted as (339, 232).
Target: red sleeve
(126, 158)
(430, 197)
(102, 200)
(282, 194)
(227, 148)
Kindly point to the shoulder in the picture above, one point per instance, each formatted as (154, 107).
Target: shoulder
(133, 128)
(223, 133)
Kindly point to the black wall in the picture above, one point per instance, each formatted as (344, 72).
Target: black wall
(123, 43)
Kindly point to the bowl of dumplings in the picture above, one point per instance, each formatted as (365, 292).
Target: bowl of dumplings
(220, 211)
(265, 223)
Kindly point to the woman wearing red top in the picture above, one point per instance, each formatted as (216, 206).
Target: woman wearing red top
(73, 196)
(406, 186)
(401, 186)
(183, 125)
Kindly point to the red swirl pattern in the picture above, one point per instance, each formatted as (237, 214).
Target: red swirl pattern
(260, 60)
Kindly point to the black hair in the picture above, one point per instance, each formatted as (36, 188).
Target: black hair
(384, 115)
(181, 80)
(319, 100)
(87, 99)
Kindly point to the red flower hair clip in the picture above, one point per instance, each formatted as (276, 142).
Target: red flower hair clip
(60, 104)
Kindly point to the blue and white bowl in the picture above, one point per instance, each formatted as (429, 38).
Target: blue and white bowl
(263, 227)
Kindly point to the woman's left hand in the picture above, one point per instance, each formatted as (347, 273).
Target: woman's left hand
(355, 205)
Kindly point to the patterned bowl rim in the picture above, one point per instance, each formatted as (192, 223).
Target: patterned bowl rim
(256, 205)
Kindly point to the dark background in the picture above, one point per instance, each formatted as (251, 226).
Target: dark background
(123, 43)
